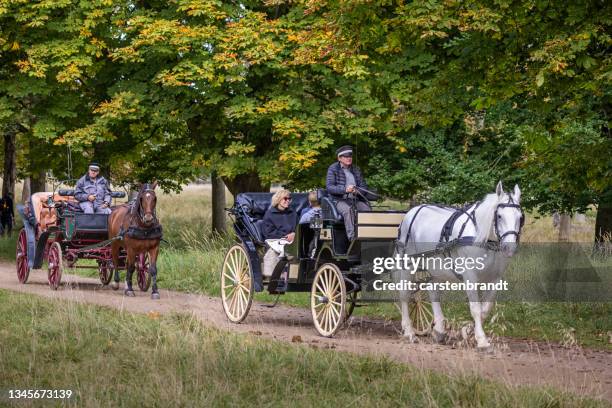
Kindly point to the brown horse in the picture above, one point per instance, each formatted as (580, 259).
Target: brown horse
(137, 223)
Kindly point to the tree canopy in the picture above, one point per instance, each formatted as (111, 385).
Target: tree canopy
(440, 98)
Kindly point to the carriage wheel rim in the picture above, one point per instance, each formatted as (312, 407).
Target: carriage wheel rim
(21, 257)
(420, 314)
(105, 273)
(236, 284)
(54, 273)
(142, 272)
(328, 300)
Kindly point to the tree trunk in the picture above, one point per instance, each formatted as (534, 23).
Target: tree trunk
(38, 182)
(243, 183)
(603, 222)
(218, 204)
(25, 193)
(10, 168)
(564, 227)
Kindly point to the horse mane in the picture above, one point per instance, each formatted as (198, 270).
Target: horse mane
(484, 217)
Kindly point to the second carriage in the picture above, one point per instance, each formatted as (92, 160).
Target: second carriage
(320, 260)
(56, 231)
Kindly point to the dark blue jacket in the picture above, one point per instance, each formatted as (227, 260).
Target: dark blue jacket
(276, 224)
(336, 181)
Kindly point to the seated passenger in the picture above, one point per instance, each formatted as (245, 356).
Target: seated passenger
(92, 192)
(307, 215)
(278, 228)
(315, 208)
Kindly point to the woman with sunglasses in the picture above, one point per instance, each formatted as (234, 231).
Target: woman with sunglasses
(278, 228)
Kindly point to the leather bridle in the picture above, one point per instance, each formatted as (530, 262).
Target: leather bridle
(509, 204)
(140, 211)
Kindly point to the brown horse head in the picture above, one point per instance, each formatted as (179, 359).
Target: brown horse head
(145, 204)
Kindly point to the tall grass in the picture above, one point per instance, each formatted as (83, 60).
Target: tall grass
(113, 358)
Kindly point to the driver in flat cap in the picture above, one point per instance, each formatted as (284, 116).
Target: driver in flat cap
(346, 184)
(92, 192)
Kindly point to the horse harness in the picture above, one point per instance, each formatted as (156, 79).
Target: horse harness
(155, 231)
(446, 244)
(449, 225)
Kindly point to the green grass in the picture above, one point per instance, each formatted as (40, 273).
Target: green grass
(113, 358)
(192, 258)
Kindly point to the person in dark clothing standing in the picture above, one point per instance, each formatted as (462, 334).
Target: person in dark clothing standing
(346, 185)
(7, 214)
(278, 228)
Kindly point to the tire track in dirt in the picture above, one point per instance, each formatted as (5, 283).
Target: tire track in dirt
(514, 362)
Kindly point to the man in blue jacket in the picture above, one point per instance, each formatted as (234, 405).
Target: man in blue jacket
(346, 184)
(92, 192)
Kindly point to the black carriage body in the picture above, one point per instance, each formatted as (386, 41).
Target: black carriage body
(331, 246)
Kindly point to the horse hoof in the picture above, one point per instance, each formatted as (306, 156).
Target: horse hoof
(485, 349)
(114, 285)
(410, 338)
(439, 338)
(129, 293)
(155, 296)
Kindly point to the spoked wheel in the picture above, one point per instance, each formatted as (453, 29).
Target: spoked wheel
(236, 284)
(350, 304)
(21, 257)
(105, 272)
(55, 267)
(328, 300)
(142, 272)
(420, 313)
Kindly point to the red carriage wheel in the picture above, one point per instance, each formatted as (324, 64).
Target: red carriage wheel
(55, 267)
(21, 257)
(105, 272)
(142, 272)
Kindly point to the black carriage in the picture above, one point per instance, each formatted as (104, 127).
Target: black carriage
(320, 260)
(55, 230)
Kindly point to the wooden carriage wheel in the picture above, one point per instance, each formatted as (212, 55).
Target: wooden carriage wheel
(105, 272)
(420, 312)
(21, 257)
(143, 277)
(55, 265)
(236, 284)
(350, 304)
(328, 299)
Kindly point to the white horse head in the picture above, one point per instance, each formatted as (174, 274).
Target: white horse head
(508, 219)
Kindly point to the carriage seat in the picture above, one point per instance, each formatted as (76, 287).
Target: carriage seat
(255, 206)
(328, 207)
(44, 215)
(70, 193)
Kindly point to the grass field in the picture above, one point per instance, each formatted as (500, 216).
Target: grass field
(191, 259)
(112, 358)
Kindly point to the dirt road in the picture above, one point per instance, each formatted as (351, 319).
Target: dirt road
(512, 362)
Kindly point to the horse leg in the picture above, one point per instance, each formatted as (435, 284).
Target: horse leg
(439, 329)
(488, 298)
(131, 265)
(153, 270)
(476, 310)
(408, 330)
(115, 248)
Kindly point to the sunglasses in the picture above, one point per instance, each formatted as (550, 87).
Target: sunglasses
(286, 198)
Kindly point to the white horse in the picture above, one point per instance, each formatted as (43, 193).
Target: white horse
(497, 217)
